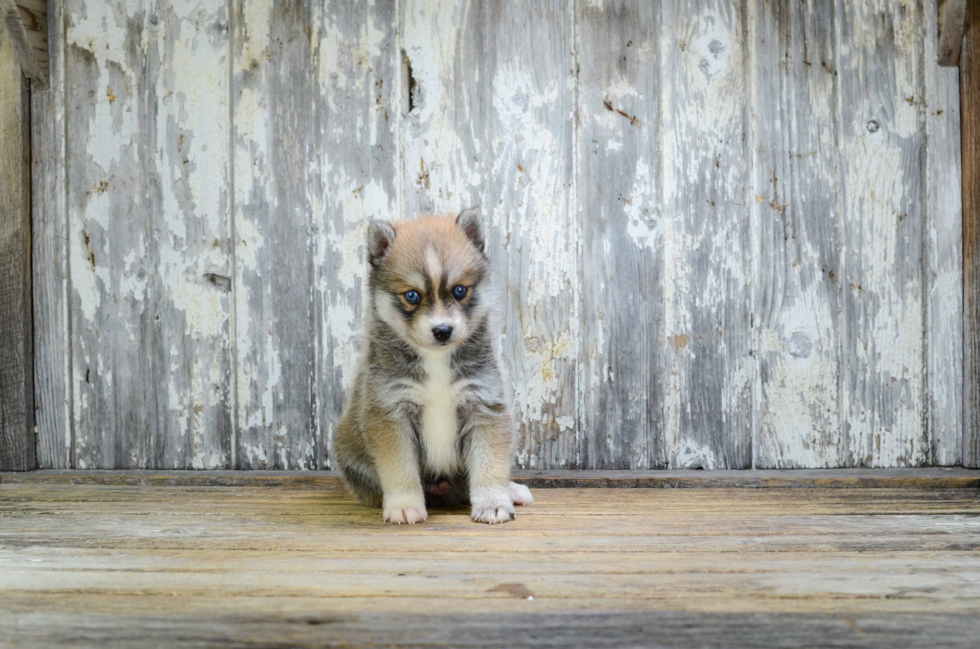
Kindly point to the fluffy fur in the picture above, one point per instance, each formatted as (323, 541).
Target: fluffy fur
(430, 412)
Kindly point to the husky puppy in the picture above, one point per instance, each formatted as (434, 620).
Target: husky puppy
(430, 410)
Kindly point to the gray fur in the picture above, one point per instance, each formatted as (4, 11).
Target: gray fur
(471, 221)
(380, 237)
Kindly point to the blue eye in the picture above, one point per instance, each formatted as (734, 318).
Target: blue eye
(412, 297)
(460, 292)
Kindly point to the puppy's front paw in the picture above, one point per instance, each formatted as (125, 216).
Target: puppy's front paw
(520, 495)
(406, 509)
(492, 505)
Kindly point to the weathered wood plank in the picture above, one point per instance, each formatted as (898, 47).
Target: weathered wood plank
(578, 630)
(707, 252)
(444, 105)
(527, 150)
(275, 179)
(149, 244)
(358, 68)
(951, 21)
(938, 478)
(113, 329)
(796, 211)
(620, 200)
(883, 150)
(22, 43)
(970, 116)
(186, 133)
(17, 446)
(52, 340)
(943, 267)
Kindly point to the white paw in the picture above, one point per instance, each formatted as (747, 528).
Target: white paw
(492, 505)
(405, 509)
(520, 495)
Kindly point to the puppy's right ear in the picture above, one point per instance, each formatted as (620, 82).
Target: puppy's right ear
(472, 223)
(380, 236)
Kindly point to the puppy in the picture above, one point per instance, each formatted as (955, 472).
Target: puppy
(430, 410)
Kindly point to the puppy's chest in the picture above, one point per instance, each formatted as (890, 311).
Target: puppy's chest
(439, 423)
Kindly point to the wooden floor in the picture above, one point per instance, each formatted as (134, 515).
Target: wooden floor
(299, 564)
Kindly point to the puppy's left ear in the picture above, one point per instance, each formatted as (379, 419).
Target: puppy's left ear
(380, 236)
(471, 222)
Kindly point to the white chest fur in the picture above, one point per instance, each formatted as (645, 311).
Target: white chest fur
(439, 421)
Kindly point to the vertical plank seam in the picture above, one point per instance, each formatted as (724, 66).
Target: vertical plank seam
(967, 416)
(579, 406)
(667, 361)
(30, 404)
(843, 435)
(233, 245)
(146, 444)
(928, 431)
(755, 226)
(66, 217)
(397, 68)
(313, 371)
(316, 18)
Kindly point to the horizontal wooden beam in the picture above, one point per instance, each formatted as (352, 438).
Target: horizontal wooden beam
(935, 478)
(952, 21)
(27, 25)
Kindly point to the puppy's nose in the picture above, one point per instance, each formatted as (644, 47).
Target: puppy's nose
(442, 333)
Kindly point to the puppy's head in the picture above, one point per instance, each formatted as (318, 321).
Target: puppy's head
(429, 277)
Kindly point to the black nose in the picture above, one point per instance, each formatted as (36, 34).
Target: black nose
(442, 333)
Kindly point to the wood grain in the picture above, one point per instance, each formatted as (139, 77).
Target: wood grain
(578, 630)
(114, 395)
(226, 565)
(883, 153)
(187, 164)
(52, 339)
(17, 446)
(443, 107)
(149, 217)
(22, 42)
(796, 208)
(34, 17)
(528, 152)
(274, 184)
(620, 186)
(707, 297)
(951, 23)
(970, 116)
(943, 259)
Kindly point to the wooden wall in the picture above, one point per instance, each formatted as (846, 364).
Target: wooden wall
(729, 230)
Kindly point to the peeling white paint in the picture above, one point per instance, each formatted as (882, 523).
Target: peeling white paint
(690, 455)
(505, 142)
(644, 220)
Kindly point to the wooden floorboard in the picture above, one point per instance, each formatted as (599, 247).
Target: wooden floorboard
(208, 565)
